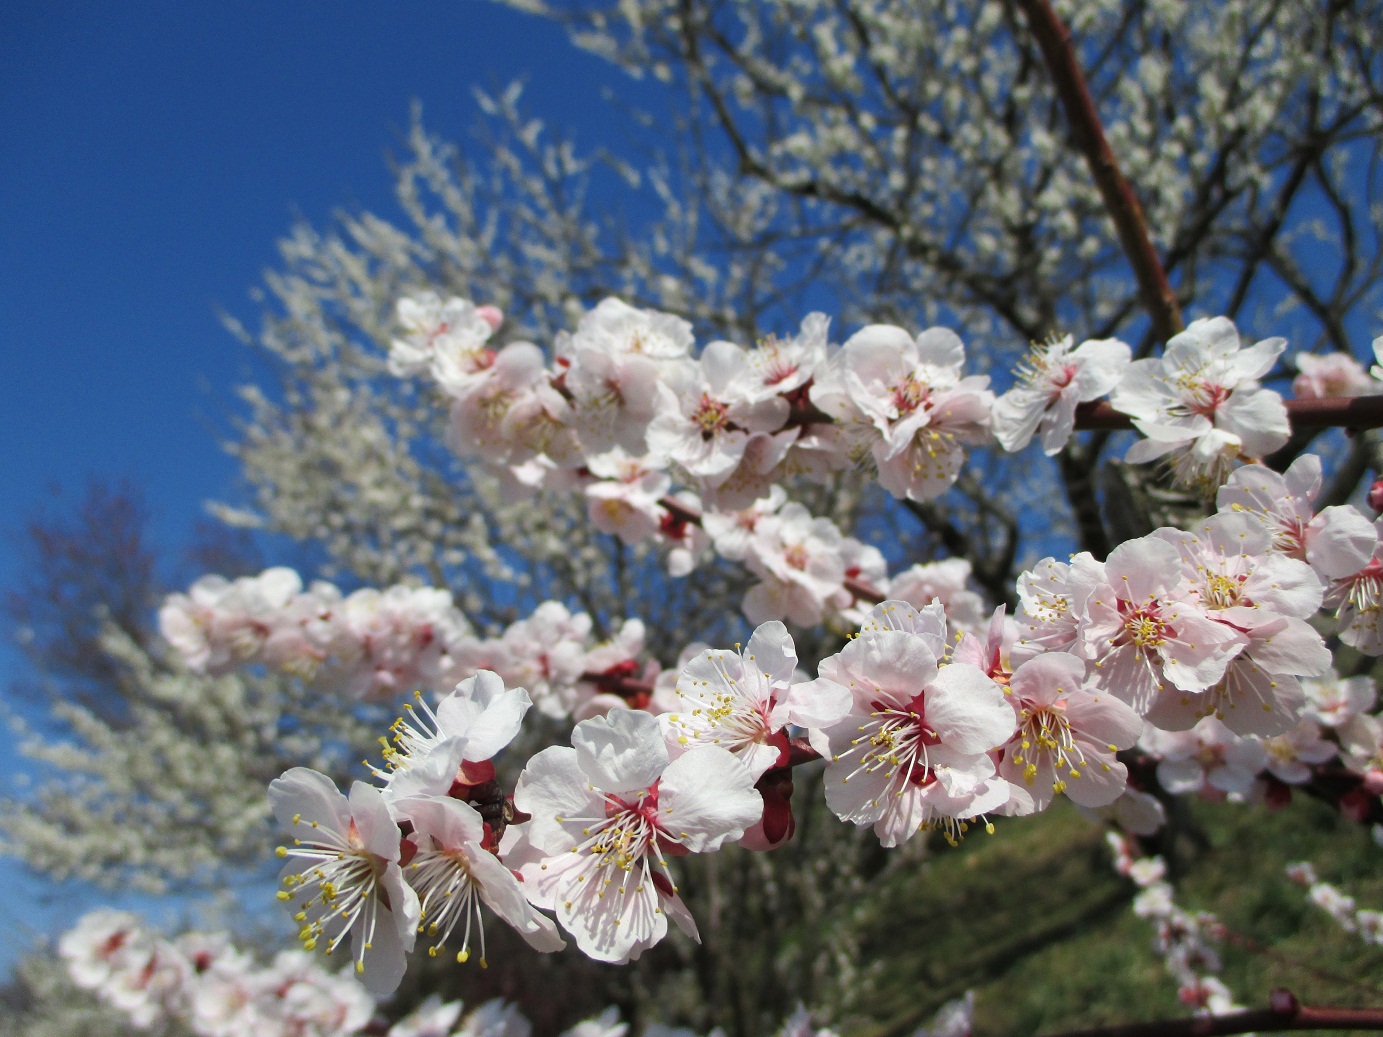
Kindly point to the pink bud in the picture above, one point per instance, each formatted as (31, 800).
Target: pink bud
(1376, 495)
(491, 315)
(1356, 805)
(1373, 782)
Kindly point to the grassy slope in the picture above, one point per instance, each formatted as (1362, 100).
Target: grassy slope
(1035, 920)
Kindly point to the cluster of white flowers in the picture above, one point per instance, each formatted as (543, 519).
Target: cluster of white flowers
(1340, 906)
(371, 644)
(625, 408)
(1184, 940)
(383, 644)
(1196, 647)
(206, 983)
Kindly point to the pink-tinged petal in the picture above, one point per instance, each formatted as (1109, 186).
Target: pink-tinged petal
(1143, 568)
(1016, 416)
(897, 664)
(928, 622)
(723, 365)
(375, 822)
(676, 910)
(1339, 542)
(1102, 365)
(431, 776)
(1253, 362)
(1128, 674)
(311, 794)
(622, 751)
(772, 651)
(967, 710)
(1291, 646)
(1251, 701)
(941, 347)
(448, 822)
(1180, 777)
(1102, 780)
(854, 797)
(1059, 422)
(387, 958)
(504, 896)
(551, 788)
(614, 923)
(1284, 585)
(1045, 677)
(1174, 710)
(1259, 418)
(1201, 651)
(706, 798)
(817, 704)
(1104, 719)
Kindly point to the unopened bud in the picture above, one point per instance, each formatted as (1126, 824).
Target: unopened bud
(1376, 494)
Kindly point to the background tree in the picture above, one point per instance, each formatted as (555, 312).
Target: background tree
(884, 161)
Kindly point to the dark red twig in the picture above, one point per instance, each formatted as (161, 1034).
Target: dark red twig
(1088, 134)
(1284, 1012)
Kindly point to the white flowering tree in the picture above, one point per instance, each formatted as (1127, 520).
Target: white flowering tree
(698, 610)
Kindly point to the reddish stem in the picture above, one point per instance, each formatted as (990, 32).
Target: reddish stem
(1087, 132)
(1283, 1013)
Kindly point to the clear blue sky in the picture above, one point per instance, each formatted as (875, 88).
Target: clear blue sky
(153, 153)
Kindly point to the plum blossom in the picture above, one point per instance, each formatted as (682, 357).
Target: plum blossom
(469, 726)
(1358, 601)
(799, 561)
(903, 402)
(946, 581)
(914, 750)
(349, 880)
(1336, 542)
(1052, 379)
(1330, 376)
(1201, 402)
(1209, 759)
(743, 700)
(708, 413)
(221, 623)
(626, 498)
(514, 417)
(1142, 629)
(1067, 735)
(453, 873)
(447, 339)
(1265, 597)
(607, 813)
(1291, 754)
(1333, 700)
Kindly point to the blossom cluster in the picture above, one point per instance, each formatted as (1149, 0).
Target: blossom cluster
(382, 644)
(625, 408)
(203, 982)
(208, 984)
(1338, 905)
(1184, 940)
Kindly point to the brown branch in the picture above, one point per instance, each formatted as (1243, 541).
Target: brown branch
(1088, 134)
(1284, 1012)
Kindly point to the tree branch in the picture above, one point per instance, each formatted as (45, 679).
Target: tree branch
(1284, 1012)
(1088, 133)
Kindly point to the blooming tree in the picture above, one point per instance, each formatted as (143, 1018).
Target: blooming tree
(556, 470)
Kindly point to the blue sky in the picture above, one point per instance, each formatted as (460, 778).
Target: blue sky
(154, 153)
